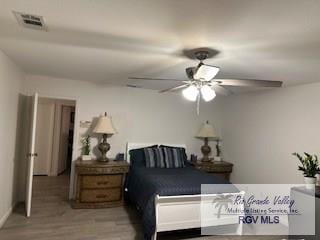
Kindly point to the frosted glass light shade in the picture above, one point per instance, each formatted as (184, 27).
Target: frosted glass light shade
(206, 131)
(206, 72)
(191, 93)
(207, 93)
(104, 126)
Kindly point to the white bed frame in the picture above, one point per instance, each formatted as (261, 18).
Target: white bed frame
(184, 211)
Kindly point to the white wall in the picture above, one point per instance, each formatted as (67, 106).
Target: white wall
(261, 131)
(10, 83)
(138, 115)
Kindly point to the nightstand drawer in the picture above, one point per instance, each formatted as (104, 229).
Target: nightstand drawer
(101, 181)
(220, 169)
(99, 184)
(217, 168)
(100, 195)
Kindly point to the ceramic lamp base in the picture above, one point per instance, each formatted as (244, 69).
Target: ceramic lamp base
(206, 150)
(101, 159)
(104, 147)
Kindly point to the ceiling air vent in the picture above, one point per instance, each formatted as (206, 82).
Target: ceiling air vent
(30, 21)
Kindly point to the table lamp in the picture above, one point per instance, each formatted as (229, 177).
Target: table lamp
(207, 133)
(105, 127)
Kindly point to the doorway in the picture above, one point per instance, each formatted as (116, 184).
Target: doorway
(54, 147)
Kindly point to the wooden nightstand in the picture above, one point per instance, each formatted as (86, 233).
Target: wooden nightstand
(99, 185)
(220, 169)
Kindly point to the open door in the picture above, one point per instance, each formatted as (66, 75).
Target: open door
(31, 153)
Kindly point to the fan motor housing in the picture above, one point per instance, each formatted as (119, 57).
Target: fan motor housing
(201, 55)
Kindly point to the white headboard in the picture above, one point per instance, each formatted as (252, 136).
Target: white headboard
(142, 145)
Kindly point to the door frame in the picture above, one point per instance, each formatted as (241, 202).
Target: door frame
(75, 136)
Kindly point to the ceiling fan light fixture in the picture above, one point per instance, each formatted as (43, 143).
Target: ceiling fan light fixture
(207, 93)
(191, 93)
(205, 72)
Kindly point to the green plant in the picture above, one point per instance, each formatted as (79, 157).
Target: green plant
(309, 164)
(86, 145)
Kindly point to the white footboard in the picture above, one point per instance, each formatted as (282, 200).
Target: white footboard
(184, 212)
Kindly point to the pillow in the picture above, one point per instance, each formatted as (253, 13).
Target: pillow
(174, 157)
(154, 157)
(137, 157)
(182, 152)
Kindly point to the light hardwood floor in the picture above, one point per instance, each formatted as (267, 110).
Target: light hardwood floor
(53, 219)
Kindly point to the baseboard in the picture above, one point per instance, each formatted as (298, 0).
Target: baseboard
(4, 218)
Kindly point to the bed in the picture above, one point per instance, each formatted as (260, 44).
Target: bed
(170, 198)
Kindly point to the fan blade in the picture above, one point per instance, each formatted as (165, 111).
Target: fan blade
(133, 86)
(157, 79)
(221, 90)
(248, 83)
(172, 89)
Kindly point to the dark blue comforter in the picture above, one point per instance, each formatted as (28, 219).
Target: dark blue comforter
(143, 184)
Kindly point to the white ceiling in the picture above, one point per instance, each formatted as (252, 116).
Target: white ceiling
(107, 41)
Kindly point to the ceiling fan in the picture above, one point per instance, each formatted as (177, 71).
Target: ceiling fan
(202, 82)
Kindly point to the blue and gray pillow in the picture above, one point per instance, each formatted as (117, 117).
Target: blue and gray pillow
(158, 157)
(137, 157)
(165, 157)
(154, 158)
(174, 157)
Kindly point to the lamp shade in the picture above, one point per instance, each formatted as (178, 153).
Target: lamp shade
(104, 126)
(206, 131)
